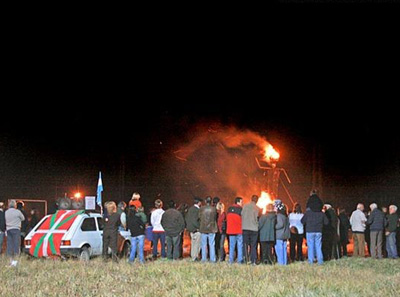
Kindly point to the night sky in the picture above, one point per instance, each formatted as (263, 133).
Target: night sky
(71, 129)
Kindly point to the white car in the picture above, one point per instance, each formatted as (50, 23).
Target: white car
(83, 239)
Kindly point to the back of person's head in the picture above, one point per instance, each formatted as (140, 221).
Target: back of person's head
(121, 204)
(220, 207)
(254, 198)
(132, 210)
(197, 200)
(216, 200)
(158, 203)
(135, 196)
(297, 208)
(208, 200)
(111, 207)
(373, 206)
(270, 207)
(360, 206)
(20, 205)
(342, 210)
(171, 204)
(282, 209)
(238, 200)
(1, 205)
(12, 204)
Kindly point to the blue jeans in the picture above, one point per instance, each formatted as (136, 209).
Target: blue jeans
(233, 239)
(281, 251)
(137, 240)
(211, 243)
(314, 244)
(156, 237)
(1, 241)
(391, 246)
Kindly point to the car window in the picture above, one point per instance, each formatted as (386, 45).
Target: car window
(88, 224)
(100, 222)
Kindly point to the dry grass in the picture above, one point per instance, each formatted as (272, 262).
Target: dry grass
(346, 277)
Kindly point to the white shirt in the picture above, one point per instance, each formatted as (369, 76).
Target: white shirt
(155, 220)
(295, 221)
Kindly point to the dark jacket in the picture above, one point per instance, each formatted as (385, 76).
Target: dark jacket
(193, 219)
(2, 221)
(392, 221)
(208, 219)
(135, 224)
(344, 227)
(314, 203)
(111, 223)
(314, 221)
(266, 225)
(173, 223)
(282, 227)
(331, 228)
(376, 220)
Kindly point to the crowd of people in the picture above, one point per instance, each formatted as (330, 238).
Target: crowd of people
(252, 235)
(15, 224)
(255, 235)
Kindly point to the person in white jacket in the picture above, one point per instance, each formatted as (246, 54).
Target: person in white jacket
(357, 222)
(158, 230)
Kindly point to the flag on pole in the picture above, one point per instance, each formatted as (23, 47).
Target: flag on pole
(99, 190)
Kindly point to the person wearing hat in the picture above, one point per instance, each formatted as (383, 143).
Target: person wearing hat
(2, 225)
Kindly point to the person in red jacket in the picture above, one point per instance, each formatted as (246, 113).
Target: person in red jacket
(234, 230)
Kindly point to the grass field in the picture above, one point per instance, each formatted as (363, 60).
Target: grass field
(345, 277)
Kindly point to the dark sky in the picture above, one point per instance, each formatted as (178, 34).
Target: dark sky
(61, 128)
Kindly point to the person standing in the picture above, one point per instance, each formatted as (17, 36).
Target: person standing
(314, 220)
(193, 227)
(137, 227)
(282, 232)
(250, 215)
(122, 214)
(267, 234)
(330, 234)
(14, 219)
(344, 227)
(392, 221)
(173, 223)
(296, 233)
(2, 226)
(376, 222)
(208, 229)
(158, 230)
(221, 222)
(234, 230)
(24, 224)
(357, 222)
(110, 231)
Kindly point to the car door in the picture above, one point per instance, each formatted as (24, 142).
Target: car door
(92, 235)
(100, 226)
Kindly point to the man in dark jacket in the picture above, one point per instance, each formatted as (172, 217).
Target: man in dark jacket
(344, 227)
(392, 222)
(376, 222)
(330, 234)
(193, 227)
(267, 234)
(314, 220)
(173, 223)
(208, 229)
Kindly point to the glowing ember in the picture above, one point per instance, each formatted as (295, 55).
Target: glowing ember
(263, 201)
(271, 154)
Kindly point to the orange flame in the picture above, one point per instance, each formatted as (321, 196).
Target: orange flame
(263, 201)
(271, 154)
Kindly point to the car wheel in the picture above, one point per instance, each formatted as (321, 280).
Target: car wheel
(84, 255)
(126, 250)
